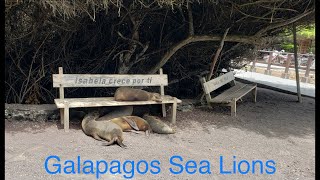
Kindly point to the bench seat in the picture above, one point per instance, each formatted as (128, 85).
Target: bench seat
(235, 92)
(106, 101)
(230, 96)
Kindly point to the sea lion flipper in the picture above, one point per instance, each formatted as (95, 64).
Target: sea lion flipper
(147, 132)
(137, 132)
(108, 143)
(121, 144)
(132, 123)
(95, 136)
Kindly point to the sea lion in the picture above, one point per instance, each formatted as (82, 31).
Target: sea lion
(130, 123)
(102, 130)
(130, 94)
(157, 125)
(118, 111)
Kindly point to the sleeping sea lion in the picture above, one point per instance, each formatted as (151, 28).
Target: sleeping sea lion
(118, 111)
(157, 125)
(102, 130)
(130, 94)
(130, 123)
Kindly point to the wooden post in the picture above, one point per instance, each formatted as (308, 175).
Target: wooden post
(253, 67)
(286, 70)
(61, 95)
(254, 93)
(296, 61)
(164, 114)
(268, 71)
(174, 111)
(61, 116)
(208, 97)
(66, 119)
(234, 107)
(306, 75)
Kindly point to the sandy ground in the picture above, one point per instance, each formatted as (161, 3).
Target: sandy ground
(275, 128)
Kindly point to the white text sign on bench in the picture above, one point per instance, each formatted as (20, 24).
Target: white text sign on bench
(95, 80)
(218, 82)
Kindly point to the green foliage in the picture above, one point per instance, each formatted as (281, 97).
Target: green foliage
(288, 47)
(303, 32)
(306, 32)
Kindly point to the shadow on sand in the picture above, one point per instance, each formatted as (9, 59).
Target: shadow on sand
(274, 114)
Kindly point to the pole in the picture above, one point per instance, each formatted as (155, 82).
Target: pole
(296, 61)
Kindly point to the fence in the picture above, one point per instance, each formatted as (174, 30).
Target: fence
(305, 62)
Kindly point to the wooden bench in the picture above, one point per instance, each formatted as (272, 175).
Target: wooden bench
(230, 96)
(62, 81)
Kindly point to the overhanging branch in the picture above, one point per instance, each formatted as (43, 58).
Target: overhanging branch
(281, 24)
(199, 38)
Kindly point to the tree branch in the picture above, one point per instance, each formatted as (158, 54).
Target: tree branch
(190, 17)
(214, 61)
(287, 22)
(191, 39)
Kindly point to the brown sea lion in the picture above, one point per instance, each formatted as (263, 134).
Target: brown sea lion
(157, 125)
(102, 130)
(130, 94)
(130, 123)
(118, 111)
(124, 123)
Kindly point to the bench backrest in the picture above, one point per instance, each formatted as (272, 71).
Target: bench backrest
(62, 81)
(215, 83)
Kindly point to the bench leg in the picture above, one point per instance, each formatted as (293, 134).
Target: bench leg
(61, 115)
(66, 119)
(254, 93)
(174, 111)
(164, 113)
(233, 107)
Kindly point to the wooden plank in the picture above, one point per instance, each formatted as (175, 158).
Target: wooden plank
(242, 92)
(66, 119)
(270, 61)
(164, 114)
(174, 111)
(106, 101)
(235, 92)
(218, 82)
(288, 63)
(233, 107)
(310, 59)
(253, 67)
(62, 116)
(223, 97)
(285, 52)
(208, 96)
(109, 80)
(61, 89)
(254, 93)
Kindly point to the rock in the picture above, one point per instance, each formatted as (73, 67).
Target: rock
(31, 112)
(185, 106)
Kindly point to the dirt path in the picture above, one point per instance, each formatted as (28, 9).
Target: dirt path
(275, 128)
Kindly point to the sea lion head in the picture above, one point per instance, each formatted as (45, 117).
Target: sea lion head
(95, 113)
(92, 115)
(156, 97)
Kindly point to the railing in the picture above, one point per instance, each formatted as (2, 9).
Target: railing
(284, 59)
